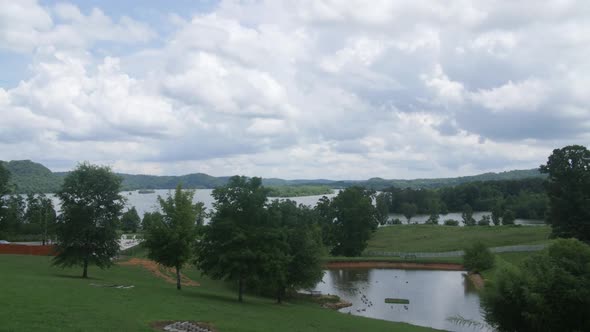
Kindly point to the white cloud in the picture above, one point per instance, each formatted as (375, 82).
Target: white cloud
(525, 96)
(293, 89)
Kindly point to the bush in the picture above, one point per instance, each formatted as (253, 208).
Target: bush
(484, 221)
(478, 258)
(451, 222)
(508, 218)
(395, 221)
(549, 292)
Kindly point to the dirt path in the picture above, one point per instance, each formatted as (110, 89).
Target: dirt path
(166, 273)
(396, 265)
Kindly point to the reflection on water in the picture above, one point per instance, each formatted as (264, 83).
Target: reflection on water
(434, 295)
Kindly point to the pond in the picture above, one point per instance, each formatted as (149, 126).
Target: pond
(433, 296)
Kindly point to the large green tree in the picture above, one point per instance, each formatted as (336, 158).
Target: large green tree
(4, 178)
(231, 246)
(568, 188)
(90, 210)
(40, 216)
(549, 292)
(354, 221)
(301, 261)
(130, 220)
(170, 239)
(382, 202)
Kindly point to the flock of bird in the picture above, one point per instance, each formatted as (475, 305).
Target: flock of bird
(365, 300)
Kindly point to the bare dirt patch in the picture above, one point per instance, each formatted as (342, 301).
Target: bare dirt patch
(477, 280)
(396, 265)
(160, 271)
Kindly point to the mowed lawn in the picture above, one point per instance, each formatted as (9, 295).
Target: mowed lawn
(37, 297)
(431, 238)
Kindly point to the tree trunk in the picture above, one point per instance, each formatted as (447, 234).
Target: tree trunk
(280, 295)
(85, 273)
(177, 277)
(240, 288)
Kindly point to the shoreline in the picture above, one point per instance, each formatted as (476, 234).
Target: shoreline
(393, 265)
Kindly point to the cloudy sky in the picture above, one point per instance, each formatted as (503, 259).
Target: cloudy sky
(295, 89)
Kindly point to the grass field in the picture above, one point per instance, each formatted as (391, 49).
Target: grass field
(36, 296)
(430, 238)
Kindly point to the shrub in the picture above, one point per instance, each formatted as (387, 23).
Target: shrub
(549, 292)
(395, 221)
(484, 221)
(508, 218)
(478, 258)
(451, 222)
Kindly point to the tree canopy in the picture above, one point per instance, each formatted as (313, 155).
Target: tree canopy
(549, 292)
(354, 221)
(130, 220)
(230, 248)
(568, 188)
(170, 240)
(91, 205)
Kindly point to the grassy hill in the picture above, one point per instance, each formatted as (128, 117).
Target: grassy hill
(28, 176)
(38, 297)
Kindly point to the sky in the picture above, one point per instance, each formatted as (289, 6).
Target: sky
(347, 89)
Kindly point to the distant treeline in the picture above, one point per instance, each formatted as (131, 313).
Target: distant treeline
(31, 177)
(525, 197)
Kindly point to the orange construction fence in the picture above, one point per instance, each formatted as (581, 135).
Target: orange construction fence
(23, 249)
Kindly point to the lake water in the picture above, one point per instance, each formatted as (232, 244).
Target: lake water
(434, 295)
(422, 218)
(149, 203)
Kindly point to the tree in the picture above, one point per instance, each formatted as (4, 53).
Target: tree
(230, 247)
(497, 213)
(568, 188)
(41, 215)
(478, 258)
(325, 218)
(409, 210)
(382, 207)
(170, 240)
(484, 221)
(354, 221)
(14, 214)
(508, 218)
(303, 266)
(150, 218)
(130, 220)
(91, 205)
(4, 180)
(548, 292)
(467, 215)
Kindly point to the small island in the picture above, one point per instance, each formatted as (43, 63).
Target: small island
(298, 191)
(146, 191)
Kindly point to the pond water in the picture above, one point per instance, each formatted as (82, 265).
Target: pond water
(434, 296)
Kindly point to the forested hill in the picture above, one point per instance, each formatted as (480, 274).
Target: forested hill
(28, 176)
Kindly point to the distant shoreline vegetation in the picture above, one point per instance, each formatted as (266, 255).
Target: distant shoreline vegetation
(297, 191)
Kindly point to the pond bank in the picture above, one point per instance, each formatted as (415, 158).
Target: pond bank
(393, 265)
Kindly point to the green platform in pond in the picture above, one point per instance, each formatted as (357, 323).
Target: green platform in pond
(397, 301)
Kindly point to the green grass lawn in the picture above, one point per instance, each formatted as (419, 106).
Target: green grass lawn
(430, 238)
(36, 296)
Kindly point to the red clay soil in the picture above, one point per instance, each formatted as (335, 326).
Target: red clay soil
(166, 273)
(23, 249)
(396, 265)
